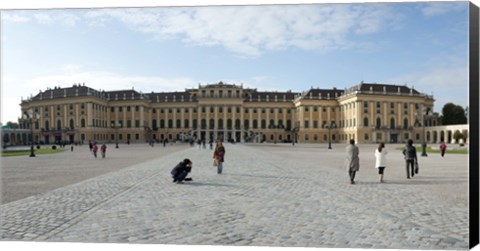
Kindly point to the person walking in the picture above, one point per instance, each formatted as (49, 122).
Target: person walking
(103, 150)
(95, 149)
(219, 156)
(90, 145)
(380, 160)
(352, 161)
(443, 148)
(181, 170)
(410, 154)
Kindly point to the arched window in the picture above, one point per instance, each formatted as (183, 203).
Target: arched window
(82, 123)
(229, 123)
(59, 125)
(162, 123)
(255, 124)
(179, 123)
(289, 124)
(392, 123)
(405, 123)
(264, 124)
(280, 123)
(379, 123)
(71, 124)
(246, 124)
(203, 123)
(237, 124)
(220, 123)
(272, 123)
(195, 124)
(154, 124)
(365, 122)
(170, 123)
(186, 123)
(212, 123)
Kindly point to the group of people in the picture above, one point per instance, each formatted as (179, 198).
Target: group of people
(180, 171)
(352, 161)
(94, 149)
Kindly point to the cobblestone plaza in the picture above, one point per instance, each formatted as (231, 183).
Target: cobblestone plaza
(275, 195)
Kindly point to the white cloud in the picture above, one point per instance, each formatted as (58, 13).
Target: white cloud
(250, 30)
(440, 8)
(109, 81)
(13, 17)
(43, 18)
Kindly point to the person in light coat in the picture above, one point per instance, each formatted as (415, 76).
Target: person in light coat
(380, 160)
(352, 161)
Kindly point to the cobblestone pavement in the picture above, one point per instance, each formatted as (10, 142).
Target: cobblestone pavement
(272, 195)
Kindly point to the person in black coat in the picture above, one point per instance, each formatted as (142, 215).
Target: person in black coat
(181, 170)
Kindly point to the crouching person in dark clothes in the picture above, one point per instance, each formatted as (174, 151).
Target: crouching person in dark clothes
(181, 170)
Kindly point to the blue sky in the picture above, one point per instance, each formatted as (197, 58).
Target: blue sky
(282, 47)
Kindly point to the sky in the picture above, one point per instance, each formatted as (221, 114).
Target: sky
(269, 47)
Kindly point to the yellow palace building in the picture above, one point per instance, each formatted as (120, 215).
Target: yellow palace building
(367, 112)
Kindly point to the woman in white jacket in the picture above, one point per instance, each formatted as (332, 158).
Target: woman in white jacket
(380, 159)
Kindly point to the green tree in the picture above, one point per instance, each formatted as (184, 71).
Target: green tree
(453, 115)
(12, 125)
(457, 135)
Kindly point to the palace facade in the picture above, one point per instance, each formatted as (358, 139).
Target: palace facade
(367, 112)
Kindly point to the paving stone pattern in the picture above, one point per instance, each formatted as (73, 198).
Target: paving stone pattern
(261, 199)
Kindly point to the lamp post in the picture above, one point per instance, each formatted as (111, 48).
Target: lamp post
(30, 115)
(329, 126)
(116, 125)
(424, 144)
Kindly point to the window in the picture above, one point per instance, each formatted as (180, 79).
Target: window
(170, 123)
(186, 123)
(220, 109)
(229, 109)
(254, 110)
(307, 125)
(120, 109)
(306, 108)
(272, 110)
(264, 124)
(137, 136)
(179, 123)
(255, 124)
(212, 123)
(128, 109)
(315, 109)
(405, 123)
(246, 110)
(82, 123)
(365, 122)
(366, 136)
(162, 123)
(186, 110)
(315, 124)
(365, 106)
(405, 108)
(379, 123)
(246, 124)
(263, 110)
(229, 123)
(178, 110)
(203, 109)
(112, 109)
(324, 109)
(170, 110)
(129, 124)
(378, 107)
(220, 123)
(71, 124)
(392, 123)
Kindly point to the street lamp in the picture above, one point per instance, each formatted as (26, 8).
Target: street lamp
(116, 126)
(425, 112)
(329, 126)
(30, 115)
